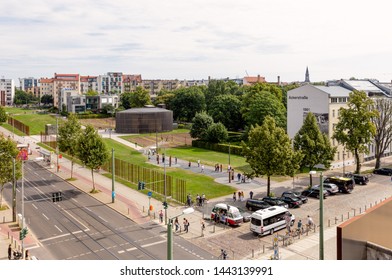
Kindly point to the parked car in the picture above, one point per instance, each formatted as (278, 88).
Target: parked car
(227, 214)
(331, 188)
(254, 204)
(292, 201)
(245, 215)
(383, 171)
(275, 201)
(304, 199)
(314, 193)
(345, 185)
(358, 178)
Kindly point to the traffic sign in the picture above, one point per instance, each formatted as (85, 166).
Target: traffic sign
(149, 194)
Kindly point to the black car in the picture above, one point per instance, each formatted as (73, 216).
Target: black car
(383, 171)
(254, 204)
(292, 201)
(358, 178)
(304, 199)
(314, 193)
(275, 201)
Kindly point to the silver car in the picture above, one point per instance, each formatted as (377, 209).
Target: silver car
(331, 188)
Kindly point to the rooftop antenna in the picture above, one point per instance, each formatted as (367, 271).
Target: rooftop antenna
(247, 73)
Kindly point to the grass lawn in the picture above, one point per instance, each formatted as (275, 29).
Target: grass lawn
(9, 128)
(36, 122)
(196, 183)
(14, 110)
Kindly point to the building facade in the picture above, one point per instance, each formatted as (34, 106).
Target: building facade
(88, 83)
(60, 81)
(110, 83)
(130, 82)
(7, 92)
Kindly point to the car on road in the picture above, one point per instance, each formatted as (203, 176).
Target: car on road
(275, 201)
(331, 188)
(383, 171)
(292, 201)
(246, 215)
(314, 193)
(358, 178)
(304, 199)
(254, 204)
(345, 185)
(227, 214)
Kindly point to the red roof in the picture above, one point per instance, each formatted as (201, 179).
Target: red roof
(253, 80)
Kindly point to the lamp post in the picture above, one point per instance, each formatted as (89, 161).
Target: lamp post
(321, 238)
(164, 183)
(113, 177)
(311, 172)
(57, 144)
(344, 164)
(170, 232)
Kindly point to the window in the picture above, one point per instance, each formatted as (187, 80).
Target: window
(334, 100)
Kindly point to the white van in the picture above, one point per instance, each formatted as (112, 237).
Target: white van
(227, 214)
(271, 219)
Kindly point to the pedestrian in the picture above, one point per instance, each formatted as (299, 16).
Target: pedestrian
(251, 194)
(175, 160)
(198, 200)
(234, 197)
(310, 222)
(242, 196)
(203, 199)
(299, 226)
(239, 195)
(239, 177)
(189, 164)
(288, 222)
(157, 158)
(188, 199)
(177, 225)
(9, 252)
(203, 227)
(163, 158)
(228, 168)
(232, 175)
(221, 168)
(202, 168)
(161, 216)
(198, 163)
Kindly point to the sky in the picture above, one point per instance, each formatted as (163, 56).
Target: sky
(189, 39)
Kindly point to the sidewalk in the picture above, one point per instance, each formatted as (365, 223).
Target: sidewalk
(136, 208)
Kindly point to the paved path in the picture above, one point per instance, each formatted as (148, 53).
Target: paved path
(135, 204)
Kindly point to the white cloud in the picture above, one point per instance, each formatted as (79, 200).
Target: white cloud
(197, 39)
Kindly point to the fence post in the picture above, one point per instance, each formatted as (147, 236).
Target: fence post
(329, 222)
(348, 215)
(342, 217)
(354, 212)
(263, 248)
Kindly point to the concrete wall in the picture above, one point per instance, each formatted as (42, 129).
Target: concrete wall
(374, 226)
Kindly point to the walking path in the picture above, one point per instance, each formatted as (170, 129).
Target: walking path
(134, 204)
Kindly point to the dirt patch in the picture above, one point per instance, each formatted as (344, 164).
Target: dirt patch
(168, 140)
(100, 123)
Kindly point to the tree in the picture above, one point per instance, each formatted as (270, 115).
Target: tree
(69, 133)
(383, 136)
(216, 133)
(315, 147)
(91, 92)
(92, 151)
(47, 99)
(355, 129)
(227, 110)
(22, 97)
(269, 151)
(187, 102)
(265, 104)
(3, 115)
(200, 124)
(108, 109)
(136, 99)
(8, 152)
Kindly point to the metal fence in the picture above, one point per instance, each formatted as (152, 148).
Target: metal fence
(153, 179)
(19, 125)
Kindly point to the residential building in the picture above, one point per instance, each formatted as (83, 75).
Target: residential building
(155, 86)
(88, 83)
(63, 98)
(30, 85)
(46, 86)
(130, 82)
(76, 104)
(81, 103)
(248, 81)
(110, 83)
(7, 92)
(60, 81)
(324, 102)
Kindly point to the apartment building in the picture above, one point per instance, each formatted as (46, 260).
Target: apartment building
(82, 103)
(7, 92)
(155, 86)
(46, 86)
(110, 83)
(130, 82)
(88, 83)
(324, 102)
(60, 81)
(65, 93)
(30, 85)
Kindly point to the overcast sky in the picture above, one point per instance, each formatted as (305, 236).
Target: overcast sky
(189, 39)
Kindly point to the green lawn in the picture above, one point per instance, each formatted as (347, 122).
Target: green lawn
(36, 122)
(13, 110)
(9, 128)
(196, 183)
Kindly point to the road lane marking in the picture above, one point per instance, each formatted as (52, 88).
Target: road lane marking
(86, 228)
(34, 206)
(131, 249)
(102, 219)
(74, 200)
(45, 216)
(58, 228)
(54, 237)
(152, 244)
(88, 209)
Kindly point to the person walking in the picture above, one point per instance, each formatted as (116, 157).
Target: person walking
(202, 168)
(203, 227)
(251, 194)
(175, 160)
(234, 197)
(9, 252)
(239, 177)
(198, 163)
(161, 216)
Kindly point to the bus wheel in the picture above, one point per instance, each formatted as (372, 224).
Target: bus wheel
(271, 231)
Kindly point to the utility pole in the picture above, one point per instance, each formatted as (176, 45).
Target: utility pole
(321, 237)
(13, 190)
(113, 179)
(57, 143)
(23, 216)
(164, 174)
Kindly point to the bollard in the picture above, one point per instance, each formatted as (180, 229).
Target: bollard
(263, 248)
(342, 217)
(329, 223)
(365, 208)
(336, 220)
(348, 215)
(354, 212)
(371, 205)
(375, 203)
(253, 253)
(360, 210)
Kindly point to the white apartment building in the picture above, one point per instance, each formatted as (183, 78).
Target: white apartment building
(65, 93)
(324, 102)
(60, 81)
(110, 83)
(88, 83)
(7, 92)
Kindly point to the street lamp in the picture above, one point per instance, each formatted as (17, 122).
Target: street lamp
(321, 214)
(311, 172)
(170, 232)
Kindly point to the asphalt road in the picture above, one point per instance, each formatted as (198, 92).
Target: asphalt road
(80, 227)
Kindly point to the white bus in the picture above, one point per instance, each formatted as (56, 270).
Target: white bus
(271, 219)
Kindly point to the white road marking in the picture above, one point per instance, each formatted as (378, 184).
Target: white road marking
(154, 243)
(131, 249)
(58, 228)
(34, 206)
(45, 216)
(88, 209)
(76, 219)
(54, 237)
(74, 200)
(102, 219)
(120, 252)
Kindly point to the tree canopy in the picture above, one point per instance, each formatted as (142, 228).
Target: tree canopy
(3, 115)
(187, 102)
(355, 129)
(136, 99)
(315, 147)
(200, 124)
(227, 110)
(216, 133)
(269, 151)
(92, 150)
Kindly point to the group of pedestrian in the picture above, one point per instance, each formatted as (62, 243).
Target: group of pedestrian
(241, 196)
(218, 167)
(200, 199)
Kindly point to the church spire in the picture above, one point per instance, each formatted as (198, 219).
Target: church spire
(307, 79)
